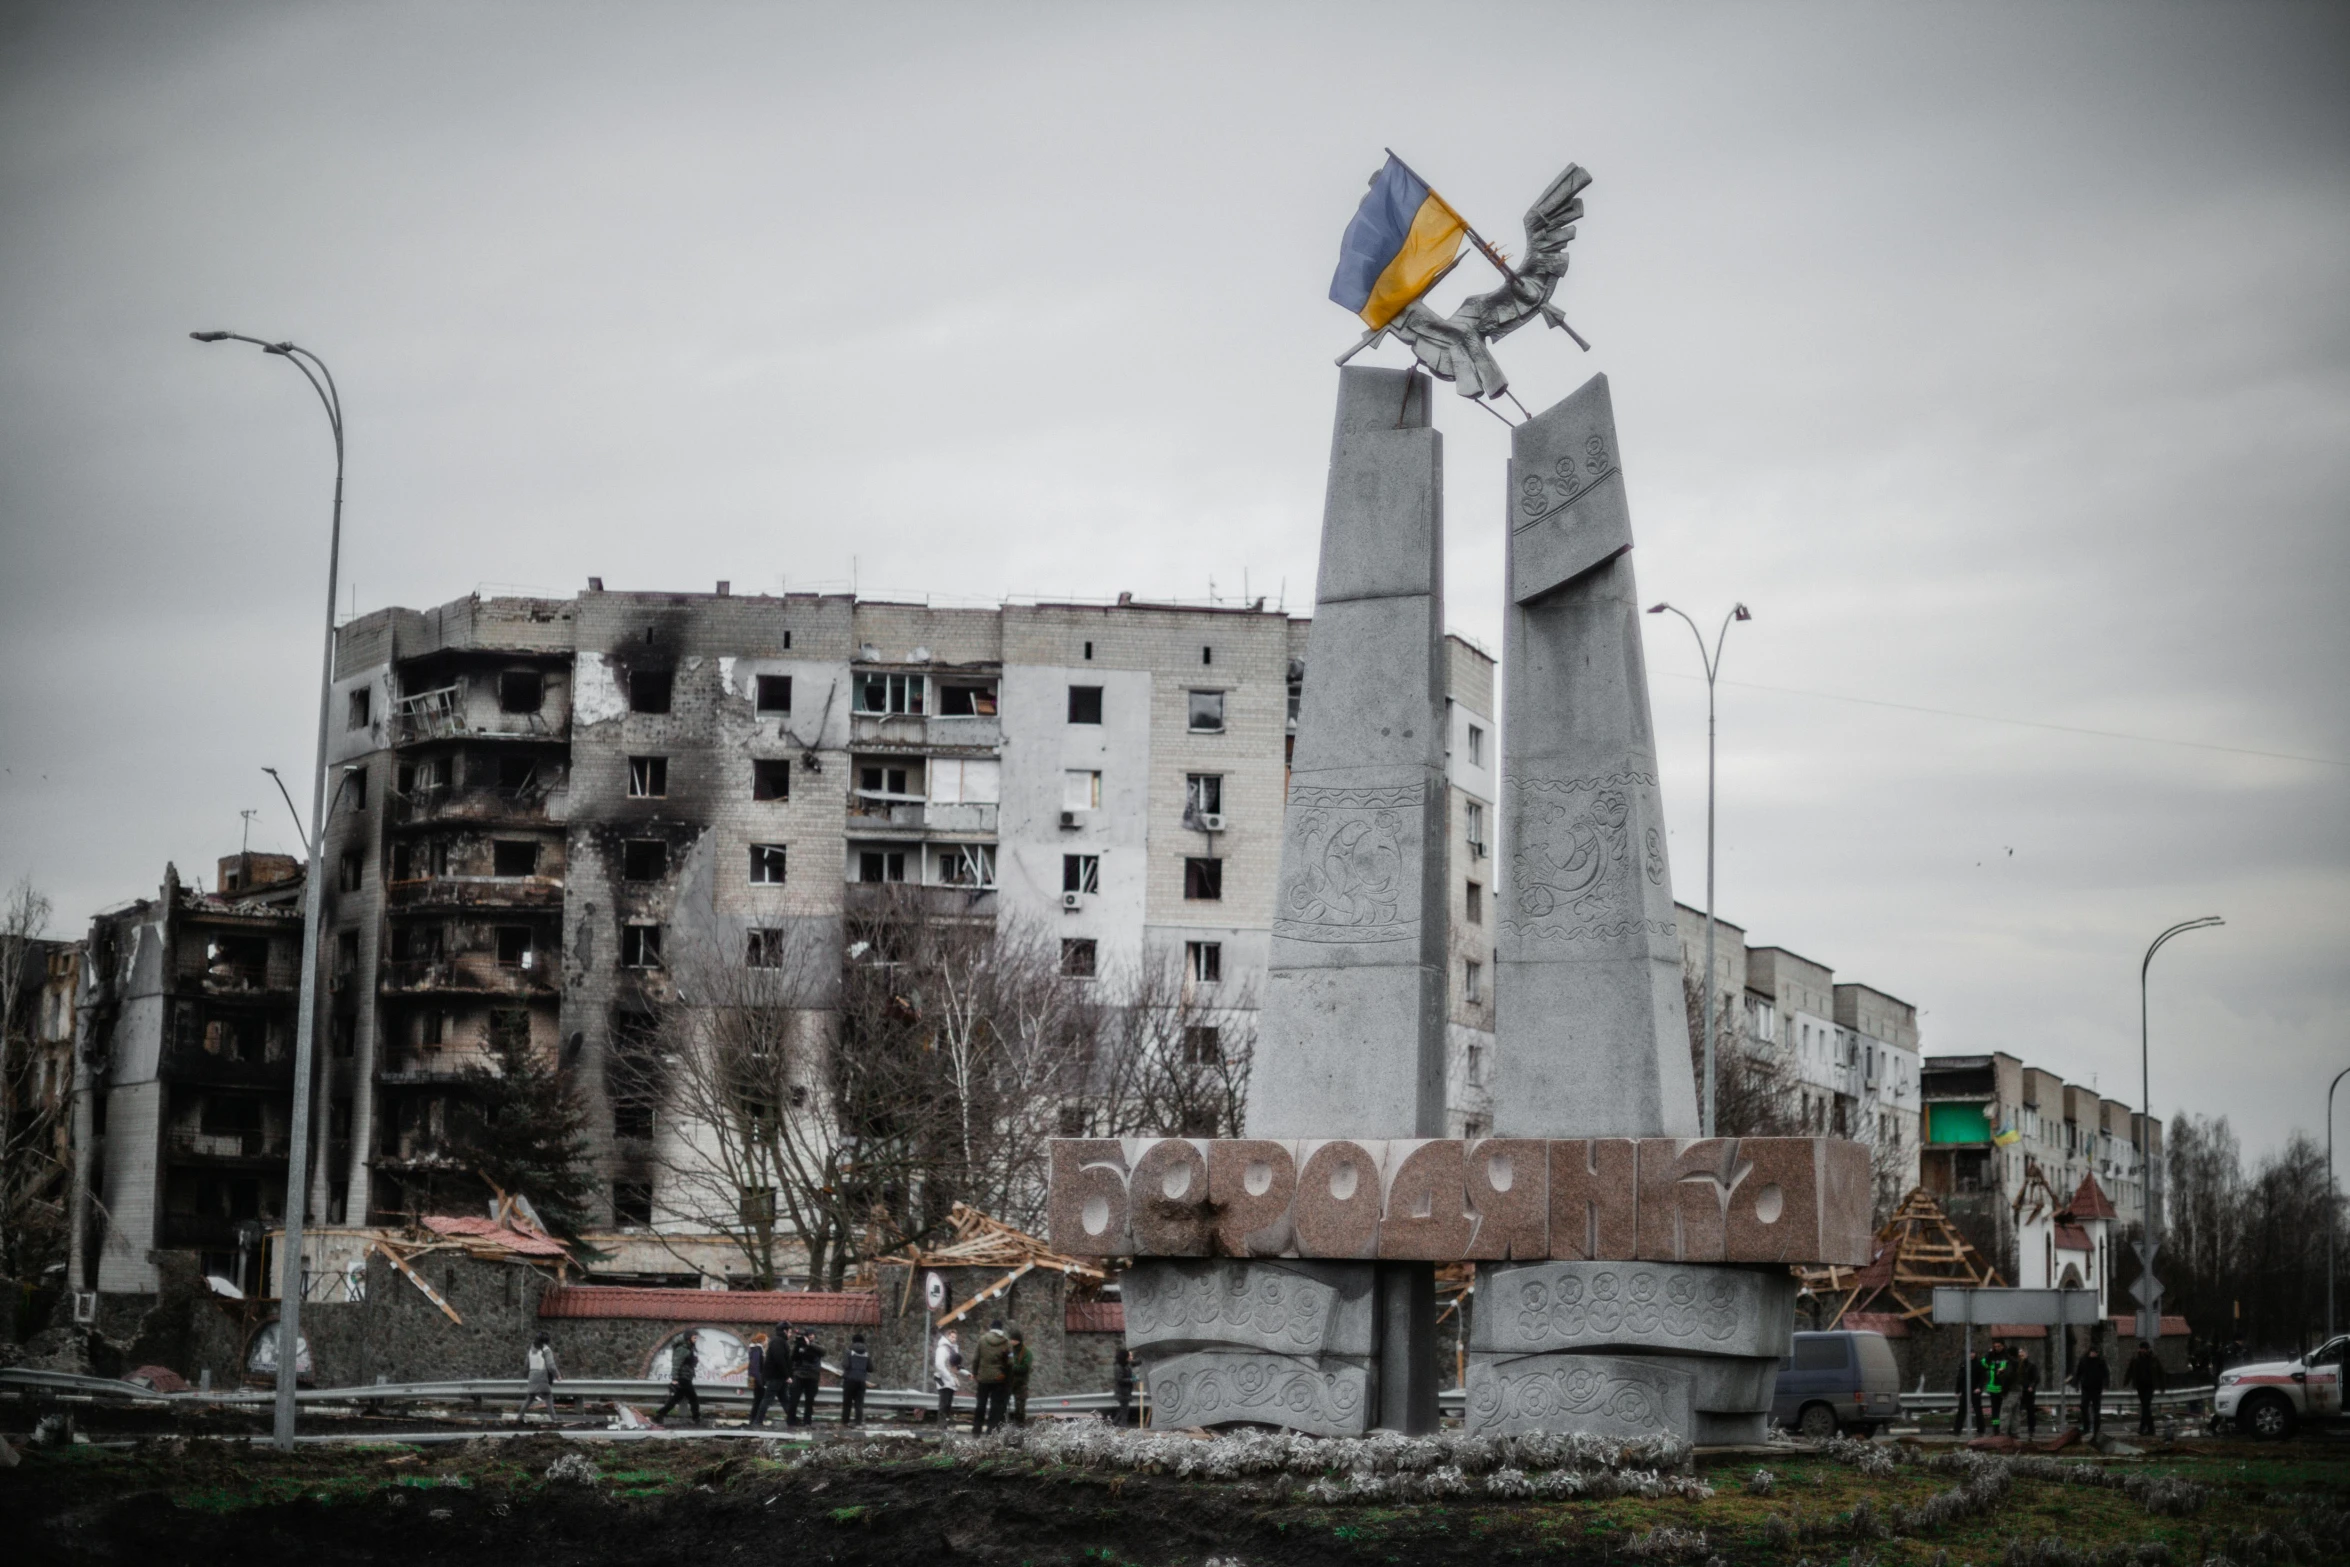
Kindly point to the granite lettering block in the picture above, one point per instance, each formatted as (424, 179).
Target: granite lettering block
(1168, 1199)
(1594, 1198)
(1774, 1211)
(1507, 1180)
(1427, 1211)
(1684, 1187)
(1086, 1207)
(1251, 1184)
(1339, 1197)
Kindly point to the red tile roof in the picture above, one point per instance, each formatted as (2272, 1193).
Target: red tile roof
(2090, 1202)
(1094, 1316)
(2172, 1327)
(801, 1308)
(2071, 1237)
(526, 1242)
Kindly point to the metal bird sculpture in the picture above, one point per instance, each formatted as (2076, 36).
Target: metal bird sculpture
(1456, 348)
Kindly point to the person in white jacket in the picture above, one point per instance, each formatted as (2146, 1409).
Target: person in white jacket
(946, 1368)
(540, 1365)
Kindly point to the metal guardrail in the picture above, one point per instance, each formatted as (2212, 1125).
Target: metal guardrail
(2115, 1404)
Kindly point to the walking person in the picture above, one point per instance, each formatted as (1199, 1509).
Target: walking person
(539, 1367)
(2090, 1377)
(856, 1367)
(1021, 1363)
(991, 1378)
(682, 1366)
(2026, 1377)
(775, 1372)
(755, 1372)
(1122, 1386)
(807, 1371)
(946, 1366)
(2144, 1376)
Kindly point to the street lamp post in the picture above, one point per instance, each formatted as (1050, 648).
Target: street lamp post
(1713, 666)
(2333, 1221)
(289, 1315)
(2149, 1307)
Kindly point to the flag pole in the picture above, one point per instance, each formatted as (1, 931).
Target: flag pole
(1508, 272)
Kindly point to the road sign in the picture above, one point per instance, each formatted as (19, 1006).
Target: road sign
(2147, 1291)
(2015, 1307)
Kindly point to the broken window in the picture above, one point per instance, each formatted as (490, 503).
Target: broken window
(770, 779)
(431, 1028)
(410, 944)
(644, 859)
(1081, 873)
(966, 701)
(648, 690)
(889, 694)
(1203, 961)
(1207, 655)
(1476, 903)
(1203, 878)
(403, 862)
(1207, 712)
(648, 777)
(354, 870)
(515, 948)
(1085, 704)
(362, 708)
(1203, 795)
(1081, 790)
(774, 693)
(966, 865)
(521, 691)
(346, 952)
(640, 946)
(342, 1032)
(1203, 1044)
(1473, 982)
(888, 782)
(355, 788)
(1473, 821)
(514, 857)
(1078, 956)
(881, 865)
(632, 1202)
(965, 780)
(1089, 652)
(764, 949)
(767, 864)
(518, 774)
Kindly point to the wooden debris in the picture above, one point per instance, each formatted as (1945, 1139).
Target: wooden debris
(1917, 1250)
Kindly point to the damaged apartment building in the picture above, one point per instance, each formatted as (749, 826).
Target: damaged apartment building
(544, 810)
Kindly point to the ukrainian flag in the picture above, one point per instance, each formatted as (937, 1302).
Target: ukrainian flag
(1403, 238)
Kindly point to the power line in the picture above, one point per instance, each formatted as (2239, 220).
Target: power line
(2025, 723)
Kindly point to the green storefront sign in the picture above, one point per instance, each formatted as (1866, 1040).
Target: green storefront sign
(1957, 1124)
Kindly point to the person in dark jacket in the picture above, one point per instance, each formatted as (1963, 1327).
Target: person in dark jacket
(2090, 1377)
(2025, 1378)
(1995, 1381)
(755, 1371)
(775, 1370)
(2144, 1376)
(807, 1371)
(682, 1367)
(856, 1368)
(991, 1376)
(1019, 1364)
(1970, 1396)
(1122, 1386)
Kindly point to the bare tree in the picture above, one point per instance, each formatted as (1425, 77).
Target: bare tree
(31, 1218)
(1753, 1096)
(1173, 1056)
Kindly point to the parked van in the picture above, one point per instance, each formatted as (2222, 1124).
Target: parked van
(1842, 1381)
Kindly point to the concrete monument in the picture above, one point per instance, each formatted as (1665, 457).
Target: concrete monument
(1632, 1276)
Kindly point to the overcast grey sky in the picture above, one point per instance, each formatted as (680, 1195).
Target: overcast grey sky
(1999, 358)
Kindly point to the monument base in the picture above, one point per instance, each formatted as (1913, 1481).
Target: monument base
(1326, 1348)
(1693, 1349)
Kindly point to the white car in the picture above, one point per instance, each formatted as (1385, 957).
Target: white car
(2268, 1398)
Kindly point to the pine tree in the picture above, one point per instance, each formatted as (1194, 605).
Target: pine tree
(525, 1132)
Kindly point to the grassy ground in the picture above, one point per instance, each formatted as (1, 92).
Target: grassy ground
(703, 1502)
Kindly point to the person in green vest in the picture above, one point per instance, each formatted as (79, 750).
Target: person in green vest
(1995, 1378)
(1021, 1363)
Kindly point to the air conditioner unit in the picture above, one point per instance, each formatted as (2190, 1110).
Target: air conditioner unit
(1071, 902)
(1211, 821)
(1068, 818)
(1476, 850)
